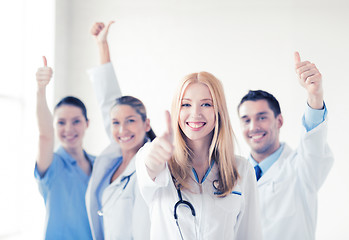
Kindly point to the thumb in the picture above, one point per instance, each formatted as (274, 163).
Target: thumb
(109, 24)
(297, 58)
(169, 131)
(45, 61)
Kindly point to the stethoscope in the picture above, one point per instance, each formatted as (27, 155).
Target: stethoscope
(191, 207)
(125, 178)
(187, 204)
(183, 202)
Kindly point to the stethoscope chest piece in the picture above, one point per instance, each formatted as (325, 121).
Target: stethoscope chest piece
(100, 213)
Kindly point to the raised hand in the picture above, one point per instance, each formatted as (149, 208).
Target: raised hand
(44, 74)
(311, 79)
(44, 117)
(160, 151)
(100, 31)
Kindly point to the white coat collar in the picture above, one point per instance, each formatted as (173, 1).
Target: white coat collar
(276, 167)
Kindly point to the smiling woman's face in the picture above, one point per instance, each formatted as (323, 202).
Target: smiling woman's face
(70, 126)
(128, 128)
(197, 116)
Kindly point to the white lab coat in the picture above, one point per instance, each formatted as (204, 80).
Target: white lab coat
(232, 217)
(125, 214)
(288, 190)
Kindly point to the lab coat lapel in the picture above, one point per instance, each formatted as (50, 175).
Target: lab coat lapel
(131, 167)
(274, 170)
(106, 161)
(102, 164)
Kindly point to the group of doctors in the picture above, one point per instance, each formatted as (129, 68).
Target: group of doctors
(186, 183)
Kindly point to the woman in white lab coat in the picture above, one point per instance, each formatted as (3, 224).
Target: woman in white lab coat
(116, 210)
(195, 186)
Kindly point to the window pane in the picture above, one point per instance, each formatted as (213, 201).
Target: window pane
(11, 47)
(10, 141)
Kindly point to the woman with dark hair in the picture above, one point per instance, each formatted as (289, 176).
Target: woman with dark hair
(115, 207)
(62, 175)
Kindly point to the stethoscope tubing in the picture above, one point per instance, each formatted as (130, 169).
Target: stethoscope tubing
(181, 201)
(100, 212)
(177, 204)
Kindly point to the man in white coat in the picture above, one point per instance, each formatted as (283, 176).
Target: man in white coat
(288, 180)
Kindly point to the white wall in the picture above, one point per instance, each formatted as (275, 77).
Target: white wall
(246, 44)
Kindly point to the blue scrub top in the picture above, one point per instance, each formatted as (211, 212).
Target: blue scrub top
(63, 187)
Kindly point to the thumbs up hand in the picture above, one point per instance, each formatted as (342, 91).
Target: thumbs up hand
(44, 74)
(161, 150)
(100, 31)
(311, 79)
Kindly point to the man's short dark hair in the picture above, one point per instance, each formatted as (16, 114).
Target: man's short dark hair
(255, 95)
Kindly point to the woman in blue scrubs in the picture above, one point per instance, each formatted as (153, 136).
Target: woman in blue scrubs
(62, 175)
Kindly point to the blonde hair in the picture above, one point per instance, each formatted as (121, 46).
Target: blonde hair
(222, 146)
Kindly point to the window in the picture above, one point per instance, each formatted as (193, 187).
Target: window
(27, 33)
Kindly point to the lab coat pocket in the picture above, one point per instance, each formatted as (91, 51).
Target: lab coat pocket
(279, 200)
(117, 219)
(229, 206)
(227, 210)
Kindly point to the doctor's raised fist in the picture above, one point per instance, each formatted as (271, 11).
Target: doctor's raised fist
(160, 150)
(44, 74)
(100, 31)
